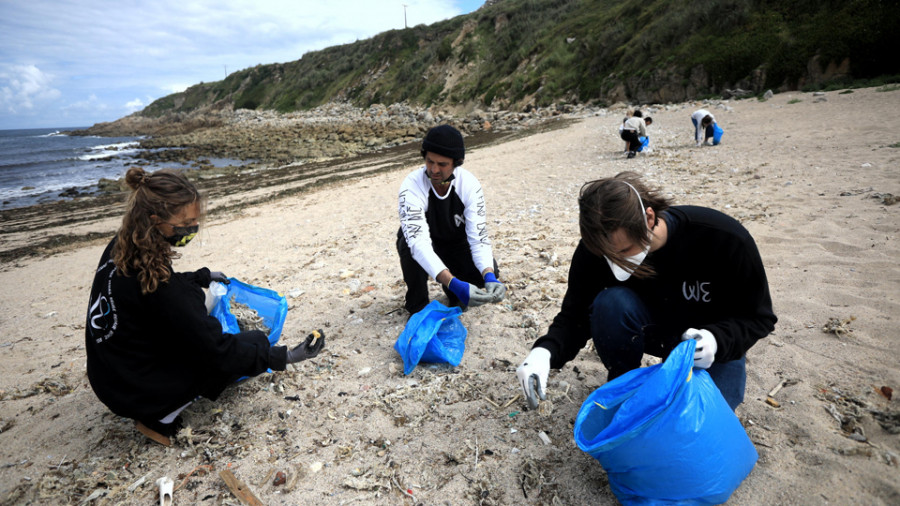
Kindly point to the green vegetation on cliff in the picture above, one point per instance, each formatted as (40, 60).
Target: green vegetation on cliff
(520, 53)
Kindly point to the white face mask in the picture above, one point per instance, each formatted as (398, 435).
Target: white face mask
(624, 273)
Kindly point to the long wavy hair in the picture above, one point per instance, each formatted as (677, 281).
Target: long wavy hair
(608, 204)
(140, 247)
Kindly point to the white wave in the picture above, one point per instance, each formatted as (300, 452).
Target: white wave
(119, 145)
(52, 187)
(108, 150)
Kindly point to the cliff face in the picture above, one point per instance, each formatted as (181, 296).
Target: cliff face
(521, 54)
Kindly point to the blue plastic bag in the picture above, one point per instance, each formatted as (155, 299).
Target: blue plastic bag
(434, 335)
(665, 435)
(717, 134)
(271, 306)
(645, 141)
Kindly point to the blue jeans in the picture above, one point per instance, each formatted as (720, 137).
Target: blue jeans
(623, 329)
(709, 130)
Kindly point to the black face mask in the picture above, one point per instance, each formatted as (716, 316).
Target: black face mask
(182, 235)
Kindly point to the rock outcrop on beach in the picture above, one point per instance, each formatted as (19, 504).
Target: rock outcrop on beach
(334, 130)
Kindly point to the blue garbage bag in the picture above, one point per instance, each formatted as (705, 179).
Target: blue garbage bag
(665, 435)
(645, 141)
(717, 134)
(433, 335)
(269, 304)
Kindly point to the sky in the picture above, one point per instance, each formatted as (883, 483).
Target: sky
(74, 63)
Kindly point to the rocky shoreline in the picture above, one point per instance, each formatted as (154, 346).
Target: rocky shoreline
(277, 155)
(255, 140)
(330, 131)
(260, 139)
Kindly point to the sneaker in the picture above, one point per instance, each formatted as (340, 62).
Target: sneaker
(631, 154)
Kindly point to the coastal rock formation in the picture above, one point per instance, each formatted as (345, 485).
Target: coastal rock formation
(334, 130)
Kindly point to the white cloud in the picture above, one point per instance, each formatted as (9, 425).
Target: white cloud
(134, 105)
(23, 86)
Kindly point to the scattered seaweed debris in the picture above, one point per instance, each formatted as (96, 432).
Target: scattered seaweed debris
(838, 327)
(247, 317)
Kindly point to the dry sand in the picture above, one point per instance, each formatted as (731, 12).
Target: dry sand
(808, 179)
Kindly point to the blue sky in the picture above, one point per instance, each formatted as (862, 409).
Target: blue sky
(68, 63)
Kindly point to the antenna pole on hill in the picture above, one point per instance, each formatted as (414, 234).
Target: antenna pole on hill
(404, 17)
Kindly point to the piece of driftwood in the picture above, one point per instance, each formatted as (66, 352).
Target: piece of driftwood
(239, 489)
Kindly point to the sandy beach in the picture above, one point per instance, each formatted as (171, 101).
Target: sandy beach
(812, 177)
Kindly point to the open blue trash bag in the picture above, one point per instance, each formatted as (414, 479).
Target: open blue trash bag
(717, 134)
(645, 141)
(434, 335)
(665, 435)
(271, 306)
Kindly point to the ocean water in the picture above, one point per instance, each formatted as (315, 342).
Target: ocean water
(37, 165)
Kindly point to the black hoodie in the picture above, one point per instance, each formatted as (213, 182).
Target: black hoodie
(149, 354)
(709, 275)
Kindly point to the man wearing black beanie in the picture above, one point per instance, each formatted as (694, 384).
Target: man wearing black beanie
(443, 228)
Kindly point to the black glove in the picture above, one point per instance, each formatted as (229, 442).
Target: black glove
(218, 276)
(308, 348)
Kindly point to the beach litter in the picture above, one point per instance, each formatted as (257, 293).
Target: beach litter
(166, 486)
(247, 318)
(838, 327)
(770, 397)
(239, 488)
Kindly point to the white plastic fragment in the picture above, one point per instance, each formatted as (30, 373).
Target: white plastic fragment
(544, 437)
(165, 491)
(134, 486)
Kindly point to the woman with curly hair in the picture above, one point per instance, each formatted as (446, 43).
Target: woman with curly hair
(152, 347)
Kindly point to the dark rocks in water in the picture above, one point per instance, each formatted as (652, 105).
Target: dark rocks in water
(71, 193)
(110, 185)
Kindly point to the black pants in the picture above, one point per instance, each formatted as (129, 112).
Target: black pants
(458, 259)
(632, 138)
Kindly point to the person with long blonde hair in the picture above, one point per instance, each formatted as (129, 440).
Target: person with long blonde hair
(152, 347)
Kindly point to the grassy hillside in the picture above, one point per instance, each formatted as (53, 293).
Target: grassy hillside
(521, 53)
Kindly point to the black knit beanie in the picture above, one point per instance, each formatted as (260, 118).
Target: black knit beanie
(444, 140)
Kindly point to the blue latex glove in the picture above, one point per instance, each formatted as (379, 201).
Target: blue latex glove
(494, 288)
(469, 295)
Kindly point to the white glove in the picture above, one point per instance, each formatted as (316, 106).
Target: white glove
(533, 375)
(705, 352)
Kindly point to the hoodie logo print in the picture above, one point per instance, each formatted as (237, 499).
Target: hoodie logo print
(696, 291)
